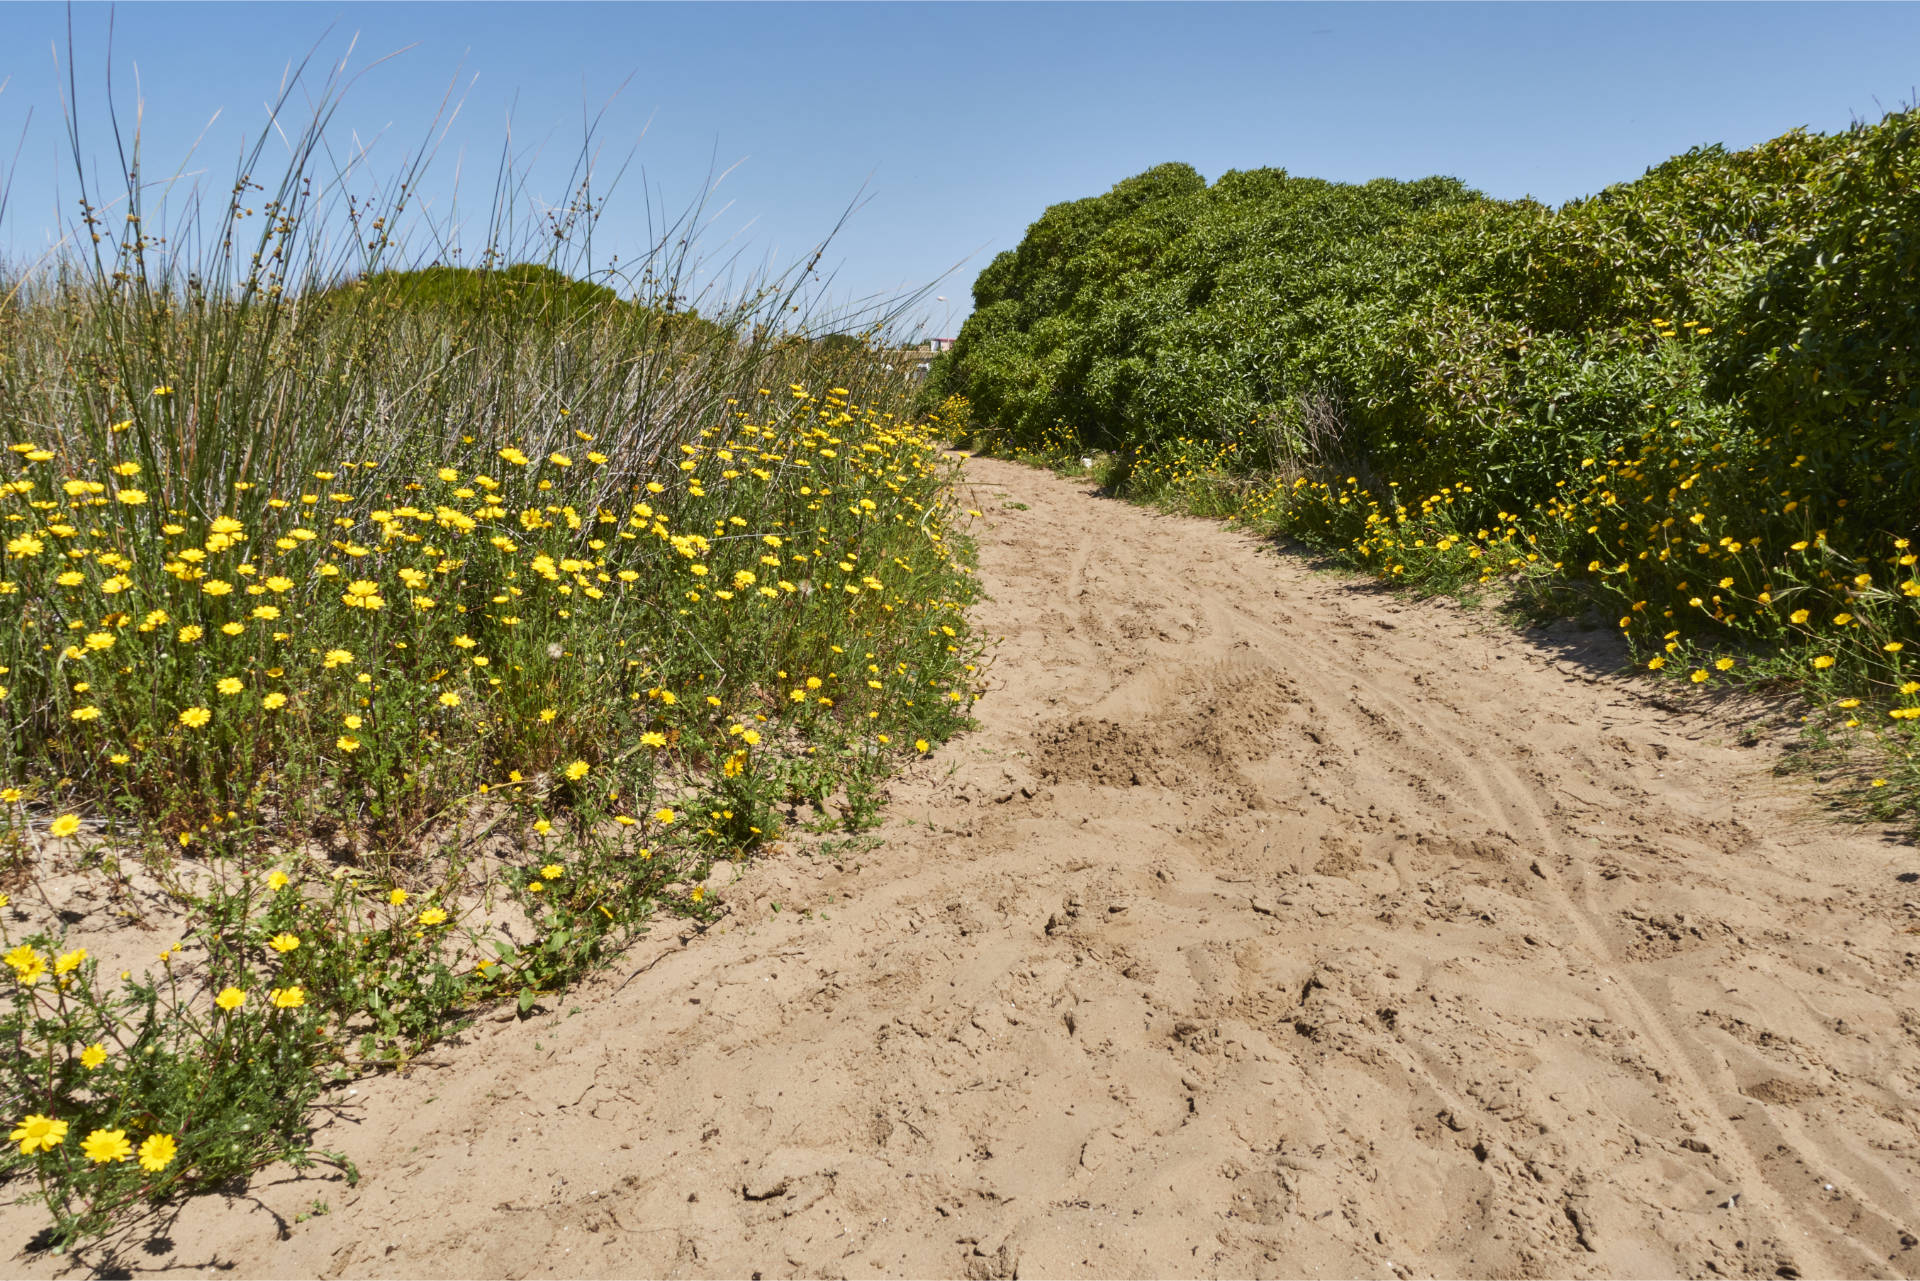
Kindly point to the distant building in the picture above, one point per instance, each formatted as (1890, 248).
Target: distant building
(927, 351)
(916, 361)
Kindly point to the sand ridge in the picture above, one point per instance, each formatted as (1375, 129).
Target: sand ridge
(1269, 925)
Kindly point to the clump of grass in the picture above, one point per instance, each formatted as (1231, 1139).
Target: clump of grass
(362, 609)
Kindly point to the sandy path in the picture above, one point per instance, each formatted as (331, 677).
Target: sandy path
(1268, 925)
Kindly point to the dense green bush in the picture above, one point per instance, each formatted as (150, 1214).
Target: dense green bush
(525, 295)
(1465, 336)
(1166, 307)
(530, 286)
(1826, 340)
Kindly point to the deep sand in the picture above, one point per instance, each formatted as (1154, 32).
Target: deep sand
(1269, 925)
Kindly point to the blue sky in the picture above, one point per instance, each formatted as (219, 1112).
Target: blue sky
(961, 122)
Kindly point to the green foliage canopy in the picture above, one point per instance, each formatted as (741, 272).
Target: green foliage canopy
(1762, 300)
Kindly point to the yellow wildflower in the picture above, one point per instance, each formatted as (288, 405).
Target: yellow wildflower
(157, 1153)
(103, 1146)
(38, 1134)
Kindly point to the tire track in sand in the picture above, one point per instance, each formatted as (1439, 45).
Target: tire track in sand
(1269, 925)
